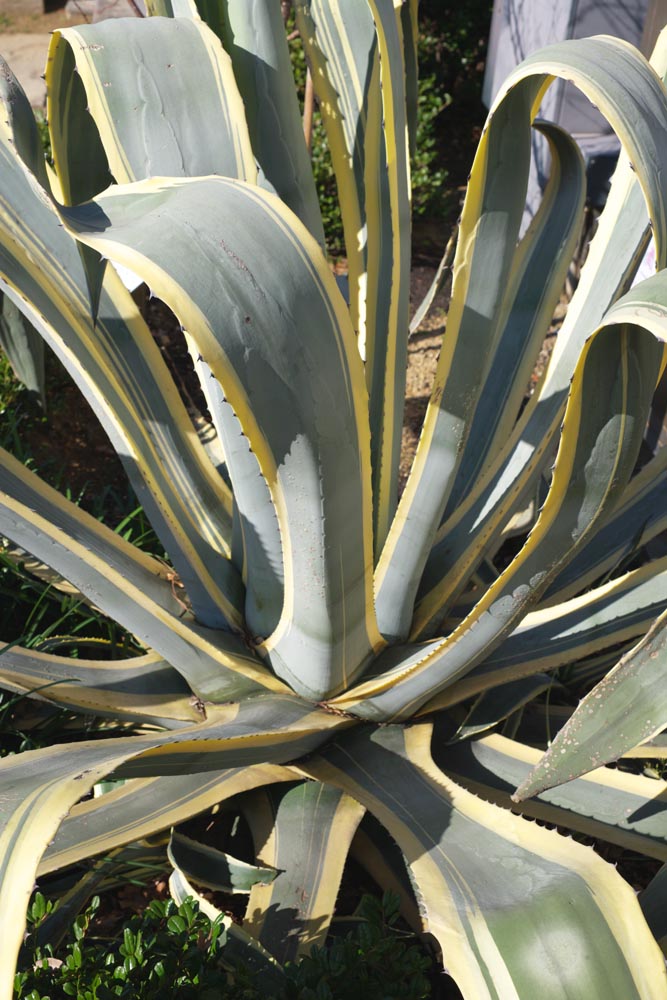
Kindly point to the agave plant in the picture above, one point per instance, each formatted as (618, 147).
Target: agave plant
(327, 655)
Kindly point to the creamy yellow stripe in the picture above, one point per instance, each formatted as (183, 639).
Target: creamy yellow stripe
(373, 147)
(397, 153)
(231, 104)
(153, 709)
(342, 64)
(338, 116)
(332, 850)
(97, 104)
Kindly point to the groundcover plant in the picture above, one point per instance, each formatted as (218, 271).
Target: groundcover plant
(318, 648)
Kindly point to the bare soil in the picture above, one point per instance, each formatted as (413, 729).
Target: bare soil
(15, 20)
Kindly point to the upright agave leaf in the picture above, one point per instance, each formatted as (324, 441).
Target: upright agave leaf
(20, 342)
(358, 76)
(318, 651)
(23, 346)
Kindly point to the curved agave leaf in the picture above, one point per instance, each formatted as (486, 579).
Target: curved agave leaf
(270, 729)
(253, 33)
(143, 807)
(641, 515)
(615, 252)
(37, 805)
(20, 125)
(18, 339)
(260, 551)
(495, 199)
(602, 432)
(305, 831)
(561, 634)
(504, 911)
(80, 163)
(162, 97)
(536, 280)
(315, 459)
(493, 707)
(145, 688)
(127, 584)
(358, 77)
(476, 526)
(386, 344)
(124, 110)
(615, 78)
(610, 805)
(341, 47)
(37, 788)
(240, 949)
(619, 723)
(23, 346)
(214, 869)
(119, 368)
(140, 98)
(626, 708)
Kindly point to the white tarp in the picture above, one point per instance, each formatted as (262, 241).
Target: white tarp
(519, 27)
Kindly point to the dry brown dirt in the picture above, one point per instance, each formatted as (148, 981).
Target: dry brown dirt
(15, 19)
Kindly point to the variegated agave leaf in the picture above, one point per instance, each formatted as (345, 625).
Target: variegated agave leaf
(343, 654)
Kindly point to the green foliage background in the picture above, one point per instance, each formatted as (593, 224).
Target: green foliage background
(177, 948)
